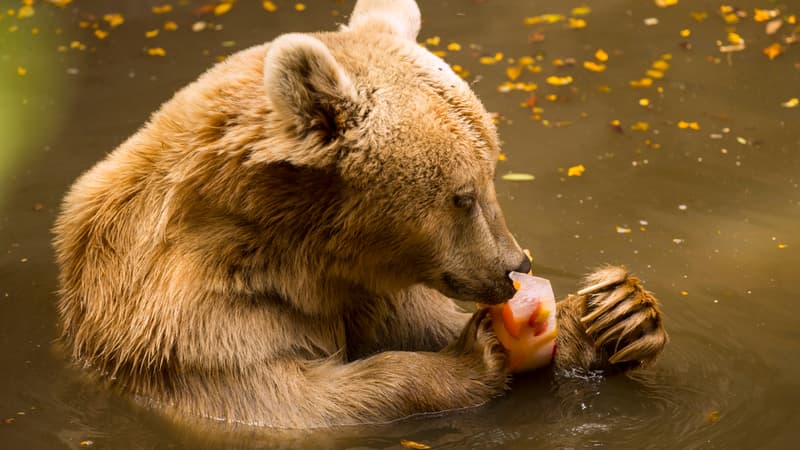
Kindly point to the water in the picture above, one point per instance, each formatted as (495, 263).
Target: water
(713, 213)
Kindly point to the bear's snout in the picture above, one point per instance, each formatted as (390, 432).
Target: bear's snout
(524, 267)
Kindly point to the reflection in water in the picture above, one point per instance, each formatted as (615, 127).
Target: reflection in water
(707, 217)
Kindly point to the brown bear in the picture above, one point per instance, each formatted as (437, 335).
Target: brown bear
(281, 243)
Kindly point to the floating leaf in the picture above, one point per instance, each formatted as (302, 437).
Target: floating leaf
(162, 9)
(21, 71)
(114, 19)
(299, 7)
(773, 51)
(454, 46)
(763, 15)
(544, 18)
(593, 66)
(685, 33)
(683, 125)
(666, 3)
(25, 12)
(513, 176)
(623, 230)
(640, 126)
(791, 103)
(269, 6)
(100, 34)
(513, 73)
(222, 8)
(773, 26)
(151, 33)
(712, 416)
(601, 55)
(643, 82)
(559, 81)
(577, 23)
(156, 51)
(415, 445)
(581, 10)
(576, 171)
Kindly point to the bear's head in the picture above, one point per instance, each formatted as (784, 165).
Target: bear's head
(411, 152)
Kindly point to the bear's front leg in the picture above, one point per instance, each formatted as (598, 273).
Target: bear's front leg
(395, 384)
(612, 324)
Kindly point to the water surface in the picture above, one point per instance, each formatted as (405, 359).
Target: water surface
(708, 217)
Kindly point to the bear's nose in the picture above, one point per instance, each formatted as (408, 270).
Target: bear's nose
(525, 265)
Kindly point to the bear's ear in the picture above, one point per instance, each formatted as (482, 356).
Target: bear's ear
(307, 87)
(399, 17)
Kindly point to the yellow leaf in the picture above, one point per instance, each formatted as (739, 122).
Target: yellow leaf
(170, 26)
(269, 6)
(576, 171)
(666, 3)
(487, 60)
(577, 23)
(763, 15)
(640, 126)
(699, 15)
(100, 34)
(526, 60)
(644, 82)
(773, 51)
(114, 19)
(222, 8)
(501, 156)
(712, 416)
(782, 246)
(156, 51)
(682, 124)
(25, 12)
(686, 33)
(513, 73)
(21, 71)
(623, 230)
(791, 103)
(601, 55)
(684, 293)
(434, 40)
(657, 74)
(661, 65)
(59, 3)
(644, 102)
(734, 38)
(730, 19)
(415, 445)
(299, 7)
(454, 46)
(512, 176)
(151, 33)
(593, 66)
(559, 81)
(581, 10)
(163, 9)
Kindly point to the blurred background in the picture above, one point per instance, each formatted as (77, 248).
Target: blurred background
(658, 134)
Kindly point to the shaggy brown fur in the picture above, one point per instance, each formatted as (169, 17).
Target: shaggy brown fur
(277, 245)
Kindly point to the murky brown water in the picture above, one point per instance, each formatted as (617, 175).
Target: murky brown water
(712, 214)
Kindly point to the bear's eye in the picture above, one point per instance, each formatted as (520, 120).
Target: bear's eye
(464, 201)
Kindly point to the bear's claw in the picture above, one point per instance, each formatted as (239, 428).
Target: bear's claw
(622, 318)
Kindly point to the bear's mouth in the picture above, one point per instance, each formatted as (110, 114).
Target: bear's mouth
(489, 294)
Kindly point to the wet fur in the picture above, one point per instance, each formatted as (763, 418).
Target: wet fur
(270, 248)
